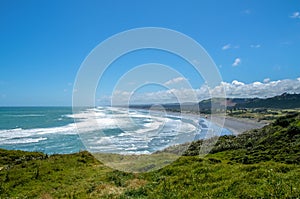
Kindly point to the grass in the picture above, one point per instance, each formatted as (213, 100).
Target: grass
(279, 142)
(137, 163)
(261, 114)
(259, 164)
(81, 176)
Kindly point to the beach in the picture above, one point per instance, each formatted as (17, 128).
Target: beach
(233, 124)
(115, 130)
(238, 125)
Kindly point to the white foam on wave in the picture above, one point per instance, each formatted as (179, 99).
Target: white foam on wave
(143, 129)
(105, 140)
(98, 119)
(148, 127)
(139, 128)
(26, 115)
(23, 140)
(12, 134)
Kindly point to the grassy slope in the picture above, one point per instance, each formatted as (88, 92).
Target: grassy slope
(261, 163)
(279, 141)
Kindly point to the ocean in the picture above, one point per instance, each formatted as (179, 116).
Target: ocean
(57, 130)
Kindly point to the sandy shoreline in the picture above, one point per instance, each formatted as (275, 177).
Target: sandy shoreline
(235, 125)
(238, 125)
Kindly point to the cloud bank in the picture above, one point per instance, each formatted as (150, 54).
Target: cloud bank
(236, 89)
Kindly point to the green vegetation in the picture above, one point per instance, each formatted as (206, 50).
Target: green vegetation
(237, 105)
(260, 114)
(284, 101)
(137, 163)
(279, 141)
(263, 163)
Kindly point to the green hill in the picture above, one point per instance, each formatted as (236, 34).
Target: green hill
(262, 163)
(279, 141)
(284, 101)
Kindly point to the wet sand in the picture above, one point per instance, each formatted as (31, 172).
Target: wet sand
(238, 125)
(235, 125)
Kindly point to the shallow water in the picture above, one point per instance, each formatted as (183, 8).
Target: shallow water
(102, 129)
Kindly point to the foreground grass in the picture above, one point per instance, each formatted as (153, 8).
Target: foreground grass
(137, 163)
(259, 164)
(81, 176)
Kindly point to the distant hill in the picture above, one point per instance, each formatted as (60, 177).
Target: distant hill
(284, 101)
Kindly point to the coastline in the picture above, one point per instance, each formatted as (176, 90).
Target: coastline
(238, 125)
(235, 125)
(28, 137)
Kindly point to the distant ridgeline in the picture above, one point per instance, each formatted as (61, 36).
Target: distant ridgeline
(284, 101)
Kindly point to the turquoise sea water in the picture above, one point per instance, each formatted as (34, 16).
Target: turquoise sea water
(103, 129)
(45, 129)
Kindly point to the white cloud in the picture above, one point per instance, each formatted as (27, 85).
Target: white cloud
(237, 83)
(229, 46)
(295, 15)
(267, 80)
(255, 46)
(258, 89)
(256, 84)
(226, 47)
(234, 89)
(175, 81)
(237, 62)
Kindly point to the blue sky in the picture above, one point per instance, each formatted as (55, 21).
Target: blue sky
(43, 44)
